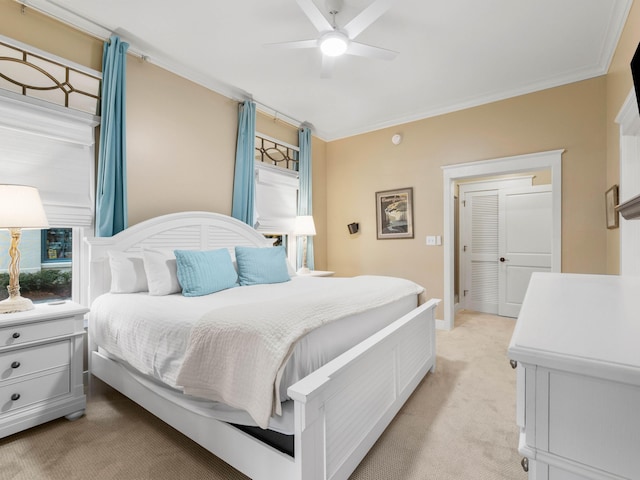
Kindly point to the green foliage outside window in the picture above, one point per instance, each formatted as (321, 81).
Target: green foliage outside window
(45, 285)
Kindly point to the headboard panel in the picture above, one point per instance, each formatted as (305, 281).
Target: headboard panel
(185, 230)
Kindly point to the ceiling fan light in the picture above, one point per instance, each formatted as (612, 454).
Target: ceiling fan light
(334, 45)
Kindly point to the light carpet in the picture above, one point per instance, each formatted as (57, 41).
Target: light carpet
(459, 424)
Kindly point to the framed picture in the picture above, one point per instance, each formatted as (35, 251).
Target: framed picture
(611, 202)
(394, 213)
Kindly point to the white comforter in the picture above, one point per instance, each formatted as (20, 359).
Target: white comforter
(151, 333)
(235, 354)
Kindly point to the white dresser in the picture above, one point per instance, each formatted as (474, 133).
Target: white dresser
(41, 366)
(577, 348)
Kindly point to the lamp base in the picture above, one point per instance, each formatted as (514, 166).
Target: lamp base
(15, 304)
(303, 271)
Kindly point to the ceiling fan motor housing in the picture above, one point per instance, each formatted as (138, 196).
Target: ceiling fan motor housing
(334, 6)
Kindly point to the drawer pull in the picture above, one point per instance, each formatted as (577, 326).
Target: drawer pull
(15, 364)
(16, 335)
(525, 464)
(513, 364)
(15, 396)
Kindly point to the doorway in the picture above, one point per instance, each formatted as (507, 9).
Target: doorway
(505, 236)
(551, 160)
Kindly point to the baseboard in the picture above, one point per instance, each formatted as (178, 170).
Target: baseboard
(442, 325)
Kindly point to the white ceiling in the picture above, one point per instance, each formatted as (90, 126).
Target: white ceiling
(453, 54)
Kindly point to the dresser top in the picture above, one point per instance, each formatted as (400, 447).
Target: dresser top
(582, 323)
(43, 311)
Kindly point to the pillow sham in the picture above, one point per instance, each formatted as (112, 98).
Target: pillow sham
(127, 273)
(201, 272)
(261, 265)
(162, 271)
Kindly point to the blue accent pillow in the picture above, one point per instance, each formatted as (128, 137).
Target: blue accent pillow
(201, 272)
(261, 265)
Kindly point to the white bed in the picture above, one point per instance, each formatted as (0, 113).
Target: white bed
(335, 413)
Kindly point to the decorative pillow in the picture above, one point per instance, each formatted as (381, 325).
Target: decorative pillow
(262, 265)
(162, 271)
(127, 273)
(201, 272)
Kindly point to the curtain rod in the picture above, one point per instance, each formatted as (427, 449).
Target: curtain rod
(277, 115)
(107, 32)
(104, 35)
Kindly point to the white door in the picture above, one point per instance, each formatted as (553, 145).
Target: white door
(480, 251)
(525, 242)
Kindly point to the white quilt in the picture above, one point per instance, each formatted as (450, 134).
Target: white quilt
(236, 354)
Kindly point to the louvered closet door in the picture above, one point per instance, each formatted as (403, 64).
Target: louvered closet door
(481, 275)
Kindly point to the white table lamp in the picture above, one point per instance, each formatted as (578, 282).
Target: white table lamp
(304, 227)
(21, 208)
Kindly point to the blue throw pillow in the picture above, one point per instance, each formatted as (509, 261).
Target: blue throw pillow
(201, 272)
(261, 265)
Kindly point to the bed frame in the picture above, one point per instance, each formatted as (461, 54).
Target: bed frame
(340, 409)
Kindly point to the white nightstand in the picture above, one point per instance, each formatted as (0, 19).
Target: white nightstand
(317, 273)
(41, 366)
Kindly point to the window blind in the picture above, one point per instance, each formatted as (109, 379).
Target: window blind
(276, 198)
(52, 149)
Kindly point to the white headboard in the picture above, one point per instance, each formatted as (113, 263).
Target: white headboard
(185, 230)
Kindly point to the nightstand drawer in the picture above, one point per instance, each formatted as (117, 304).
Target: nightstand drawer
(21, 394)
(18, 363)
(35, 331)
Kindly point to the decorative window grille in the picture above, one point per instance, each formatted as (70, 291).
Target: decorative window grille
(274, 152)
(27, 72)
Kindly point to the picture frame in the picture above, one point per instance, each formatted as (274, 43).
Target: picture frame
(394, 213)
(611, 202)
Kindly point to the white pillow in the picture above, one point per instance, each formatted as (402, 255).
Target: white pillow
(127, 273)
(162, 273)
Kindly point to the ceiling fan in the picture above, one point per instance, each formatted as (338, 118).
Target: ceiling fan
(335, 41)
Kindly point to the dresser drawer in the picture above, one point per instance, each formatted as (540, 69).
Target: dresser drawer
(17, 395)
(18, 363)
(31, 332)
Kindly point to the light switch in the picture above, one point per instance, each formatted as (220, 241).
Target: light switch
(431, 240)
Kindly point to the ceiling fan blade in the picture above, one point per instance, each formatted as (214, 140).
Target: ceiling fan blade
(363, 50)
(365, 18)
(317, 18)
(291, 45)
(327, 66)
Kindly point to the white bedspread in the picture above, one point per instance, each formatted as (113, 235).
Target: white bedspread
(236, 354)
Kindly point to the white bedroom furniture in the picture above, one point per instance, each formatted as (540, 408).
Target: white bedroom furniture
(340, 409)
(318, 273)
(41, 366)
(576, 344)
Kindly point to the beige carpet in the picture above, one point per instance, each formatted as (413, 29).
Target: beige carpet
(458, 425)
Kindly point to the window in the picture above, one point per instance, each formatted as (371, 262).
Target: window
(277, 185)
(42, 279)
(47, 137)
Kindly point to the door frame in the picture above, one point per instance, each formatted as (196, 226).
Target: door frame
(551, 160)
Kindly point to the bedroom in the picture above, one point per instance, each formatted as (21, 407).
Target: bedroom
(192, 121)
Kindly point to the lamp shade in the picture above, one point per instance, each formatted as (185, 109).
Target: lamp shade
(21, 207)
(304, 225)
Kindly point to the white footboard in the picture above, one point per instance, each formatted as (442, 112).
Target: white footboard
(342, 408)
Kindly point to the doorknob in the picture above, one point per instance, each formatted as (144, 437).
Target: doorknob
(502, 259)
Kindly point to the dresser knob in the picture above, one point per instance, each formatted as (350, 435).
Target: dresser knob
(15, 364)
(15, 396)
(525, 464)
(16, 335)
(513, 364)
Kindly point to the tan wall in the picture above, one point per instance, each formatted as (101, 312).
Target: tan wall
(619, 84)
(569, 117)
(181, 137)
(181, 141)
